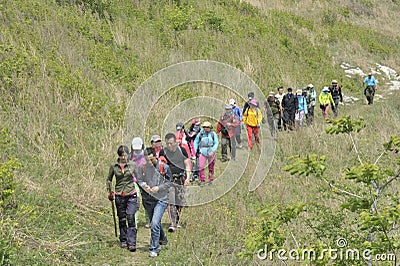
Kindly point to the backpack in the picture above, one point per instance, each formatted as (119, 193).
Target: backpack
(225, 117)
(201, 136)
(161, 169)
(257, 109)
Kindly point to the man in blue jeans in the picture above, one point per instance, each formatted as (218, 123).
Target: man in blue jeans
(154, 177)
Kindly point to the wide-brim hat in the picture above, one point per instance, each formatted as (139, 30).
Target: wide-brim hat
(206, 124)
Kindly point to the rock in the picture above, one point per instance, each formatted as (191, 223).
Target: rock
(350, 99)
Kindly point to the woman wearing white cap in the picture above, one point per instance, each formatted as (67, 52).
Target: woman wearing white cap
(137, 156)
(325, 101)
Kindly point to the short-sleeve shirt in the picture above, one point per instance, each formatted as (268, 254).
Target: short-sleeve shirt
(175, 160)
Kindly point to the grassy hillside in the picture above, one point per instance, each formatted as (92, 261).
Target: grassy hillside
(68, 69)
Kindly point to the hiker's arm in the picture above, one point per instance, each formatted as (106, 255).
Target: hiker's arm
(188, 171)
(196, 141)
(165, 185)
(110, 174)
(219, 127)
(110, 193)
(236, 123)
(216, 143)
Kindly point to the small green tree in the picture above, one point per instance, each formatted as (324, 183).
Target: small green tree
(367, 201)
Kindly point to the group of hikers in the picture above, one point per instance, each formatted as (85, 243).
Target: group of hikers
(290, 111)
(158, 174)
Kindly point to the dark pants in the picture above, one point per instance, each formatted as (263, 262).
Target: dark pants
(280, 121)
(370, 93)
(336, 109)
(126, 208)
(310, 115)
(176, 197)
(273, 120)
(288, 119)
(237, 136)
(225, 142)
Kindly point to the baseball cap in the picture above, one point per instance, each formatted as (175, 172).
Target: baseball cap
(155, 138)
(137, 143)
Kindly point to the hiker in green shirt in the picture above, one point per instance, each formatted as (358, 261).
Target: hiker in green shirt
(125, 195)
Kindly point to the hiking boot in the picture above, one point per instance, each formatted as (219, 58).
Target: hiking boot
(153, 254)
(171, 229)
(132, 248)
(123, 245)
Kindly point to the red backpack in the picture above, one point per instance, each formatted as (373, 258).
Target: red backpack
(160, 168)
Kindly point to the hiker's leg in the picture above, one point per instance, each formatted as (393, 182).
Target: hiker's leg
(232, 143)
(249, 136)
(156, 226)
(120, 204)
(202, 164)
(237, 136)
(224, 143)
(130, 217)
(256, 136)
(211, 163)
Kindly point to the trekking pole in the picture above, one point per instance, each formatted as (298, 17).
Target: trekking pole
(113, 208)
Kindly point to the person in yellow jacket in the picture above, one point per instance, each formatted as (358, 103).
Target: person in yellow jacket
(325, 101)
(252, 118)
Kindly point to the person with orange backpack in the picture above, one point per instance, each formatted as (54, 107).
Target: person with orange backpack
(154, 177)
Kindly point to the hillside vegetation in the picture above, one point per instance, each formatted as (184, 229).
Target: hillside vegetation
(69, 67)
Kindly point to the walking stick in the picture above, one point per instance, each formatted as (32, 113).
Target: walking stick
(112, 207)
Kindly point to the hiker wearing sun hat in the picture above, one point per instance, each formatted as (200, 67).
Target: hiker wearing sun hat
(206, 143)
(370, 85)
(325, 101)
(336, 92)
(273, 112)
(227, 124)
(252, 119)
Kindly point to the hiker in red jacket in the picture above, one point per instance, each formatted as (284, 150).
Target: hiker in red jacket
(227, 124)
